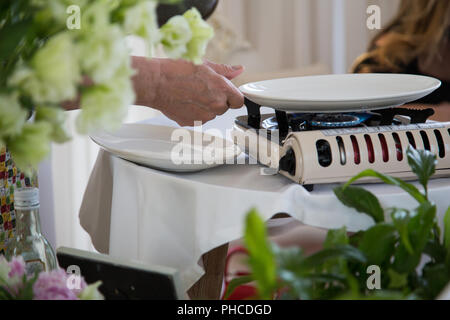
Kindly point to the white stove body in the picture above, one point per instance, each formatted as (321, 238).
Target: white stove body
(336, 155)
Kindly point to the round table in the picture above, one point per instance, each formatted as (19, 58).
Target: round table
(173, 219)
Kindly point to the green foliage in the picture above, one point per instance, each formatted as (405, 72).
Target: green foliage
(378, 243)
(24, 292)
(360, 199)
(262, 259)
(422, 164)
(339, 270)
(447, 229)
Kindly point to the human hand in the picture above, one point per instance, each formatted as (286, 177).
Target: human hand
(186, 92)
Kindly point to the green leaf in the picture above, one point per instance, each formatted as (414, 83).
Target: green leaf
(346, 252)
(419, 230)
(361, 200)
(290, 258)
(234, 283)
(447, 230)
(421, 224)
(422, 163)
(26, 293)
(355, 239)
(299, 286)
(378, 243)
(4, 294)
(405, 262)
(435, 250)
(336, 237)
(412, 190)
(397, 280)
(262, 259)
(435, 278)
(401, 218)
(11, 36)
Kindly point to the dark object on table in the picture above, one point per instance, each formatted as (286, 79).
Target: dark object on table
(123, 280)
(167, 11)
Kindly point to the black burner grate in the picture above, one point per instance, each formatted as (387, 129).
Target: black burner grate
(313, 121)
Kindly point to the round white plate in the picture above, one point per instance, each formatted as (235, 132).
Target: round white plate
(168, 148)
(340, 92)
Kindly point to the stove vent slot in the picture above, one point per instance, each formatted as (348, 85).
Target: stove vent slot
(411, 140)
(341, 147)
(426, 141)
(398, 146)
(370, 150)
(324, 152)
(440, 143)
(384, 147)
(357, 155)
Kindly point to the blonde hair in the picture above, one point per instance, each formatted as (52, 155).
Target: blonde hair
(419, 29)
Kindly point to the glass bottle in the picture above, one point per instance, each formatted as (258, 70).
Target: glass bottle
(28, 240)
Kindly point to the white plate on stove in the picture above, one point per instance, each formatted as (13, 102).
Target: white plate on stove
(340, 92)
(168, 148)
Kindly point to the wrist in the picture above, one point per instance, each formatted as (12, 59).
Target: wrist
(146, 80)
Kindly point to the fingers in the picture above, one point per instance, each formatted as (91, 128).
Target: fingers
(229, 72)
(189, 115)
(235, 98)
(189, 93)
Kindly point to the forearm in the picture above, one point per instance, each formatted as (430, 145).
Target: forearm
(145, 82)
(146, 79)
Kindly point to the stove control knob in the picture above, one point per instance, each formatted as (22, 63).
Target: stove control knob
(288, 163)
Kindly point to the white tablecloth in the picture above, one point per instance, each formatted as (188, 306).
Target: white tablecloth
(139, 213)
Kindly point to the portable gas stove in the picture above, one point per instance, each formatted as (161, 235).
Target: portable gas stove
(328, 147)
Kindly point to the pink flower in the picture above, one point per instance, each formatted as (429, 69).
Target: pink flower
(55, 293)
(53, 286)
(17, 265)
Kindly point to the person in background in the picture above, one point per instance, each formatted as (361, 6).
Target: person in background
(416, 41)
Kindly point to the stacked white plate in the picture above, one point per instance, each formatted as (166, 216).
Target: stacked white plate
(340, 92)
(168, 148)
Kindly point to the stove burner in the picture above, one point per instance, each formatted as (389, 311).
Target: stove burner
(284, 122)
(300, 121)
(334, 120)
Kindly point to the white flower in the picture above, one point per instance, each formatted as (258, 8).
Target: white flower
(95, 15)
(141, 20)
(56, 117)
(31, 146)
(12, 115)
(4, 270)
(105, 106)
(102, 52)
(201, 34)
(52, 74)
(176, 34)
(49, 11)
(91, 292)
